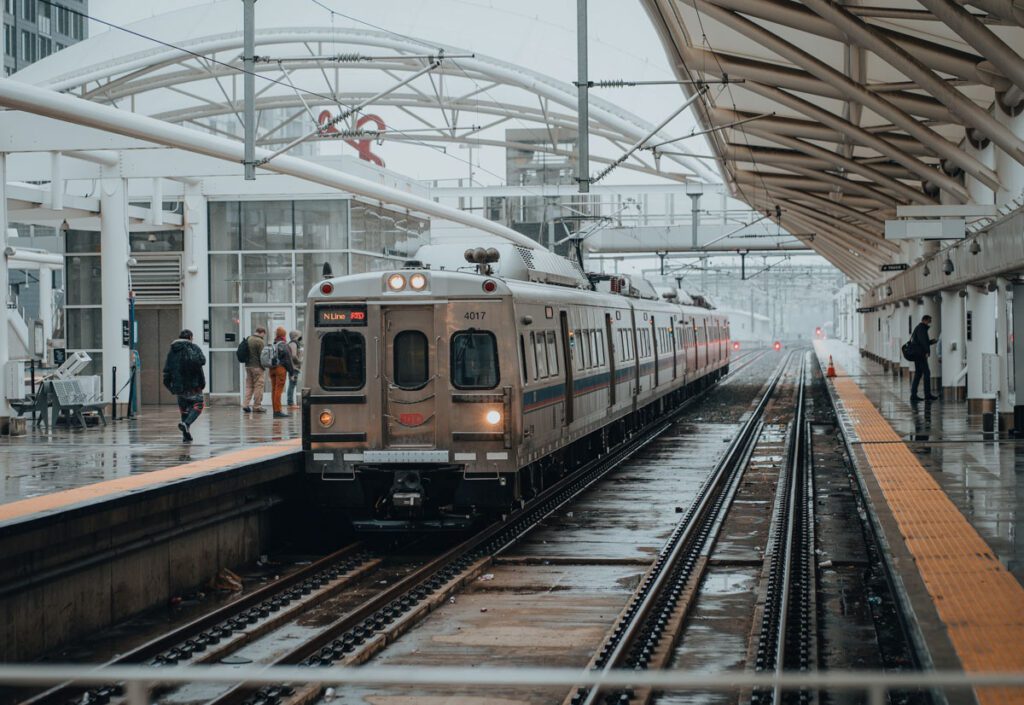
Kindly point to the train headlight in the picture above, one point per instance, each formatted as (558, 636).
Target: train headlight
(326, 418)
(396, 282)
(493, 417)
(418, 282)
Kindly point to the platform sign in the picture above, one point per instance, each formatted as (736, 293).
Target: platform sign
(866, 309)
(60, 356)
(126, 332)
(206, 330)
(897, 267)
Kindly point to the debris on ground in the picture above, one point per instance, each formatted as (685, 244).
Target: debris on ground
(226, 580)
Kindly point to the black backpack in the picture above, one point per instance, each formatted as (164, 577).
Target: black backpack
(910, 351)
(242, 353)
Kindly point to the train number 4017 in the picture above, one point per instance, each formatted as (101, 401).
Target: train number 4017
(475, 315)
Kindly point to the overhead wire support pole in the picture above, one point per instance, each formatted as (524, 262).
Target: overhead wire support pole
(249, 86)
(583, 98)
(639, 144)
(345, 114)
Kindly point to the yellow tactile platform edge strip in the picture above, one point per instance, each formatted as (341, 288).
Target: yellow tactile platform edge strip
(978, 600)
(57, 501)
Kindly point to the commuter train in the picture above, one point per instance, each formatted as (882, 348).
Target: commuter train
(460, 385)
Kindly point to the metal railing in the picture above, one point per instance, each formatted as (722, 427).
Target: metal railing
(138, 681)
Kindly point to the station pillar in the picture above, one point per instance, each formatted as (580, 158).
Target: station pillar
(5, 407)
(980, 333)
(909, 316)
(1017, 360)
(114, 286)
(953, 346)
(1004, 351)
(195, 303)
(892, 346)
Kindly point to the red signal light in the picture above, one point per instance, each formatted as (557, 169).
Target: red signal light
(778, 345)
(736, 346)
(490, 286)
(326, 288)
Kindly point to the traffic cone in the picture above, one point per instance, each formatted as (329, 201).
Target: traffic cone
(831, 371)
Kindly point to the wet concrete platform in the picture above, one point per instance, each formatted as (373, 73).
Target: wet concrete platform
(944, 499)
(61, 458)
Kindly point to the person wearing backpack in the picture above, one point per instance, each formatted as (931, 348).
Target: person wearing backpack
(281, 368)
(254, 380)
(184, 378)
(921, 344)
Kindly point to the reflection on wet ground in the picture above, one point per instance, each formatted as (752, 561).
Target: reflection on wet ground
(983, 474)
(61, 458)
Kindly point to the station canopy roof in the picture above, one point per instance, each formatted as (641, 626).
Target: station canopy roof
(502, 69)
(851, 108)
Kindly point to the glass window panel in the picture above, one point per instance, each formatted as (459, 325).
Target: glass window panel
(84, 328)
(224, 225)
(224, 322)
(95, 366)
(309, 267)
(267, 279)
(321, 225)
(224, 373)
(342, 360)
(552, 354)
(411, 364)
(163, 241)
(83, 277)
(474, 360)
(267, 225)
(82, 241)
(224, 279)
(540, 358)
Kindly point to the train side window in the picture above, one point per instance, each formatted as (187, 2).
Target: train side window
(474, 360)
(595, 350)
(342, 360)
(584, 345)
(540, 358)
(411, 364)
(552, 354)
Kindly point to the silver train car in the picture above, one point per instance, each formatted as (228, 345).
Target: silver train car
(449, 390)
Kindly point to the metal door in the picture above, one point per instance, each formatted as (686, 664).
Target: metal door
(411, 377)
(610, 331)
(158, 327)
(570, 394)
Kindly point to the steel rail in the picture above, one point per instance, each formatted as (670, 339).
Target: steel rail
(342, 637)
(248, 608)
(680, 549)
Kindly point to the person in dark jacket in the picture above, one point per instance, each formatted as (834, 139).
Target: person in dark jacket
(183, 377)
(922, 346)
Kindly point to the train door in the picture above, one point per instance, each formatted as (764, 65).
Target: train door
(410, 386)
(636, 354)
(672, 335)
(567, 364)
(612, 380)
(654, 347)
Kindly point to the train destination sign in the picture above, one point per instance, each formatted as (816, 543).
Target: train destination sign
(894, 267)
(340, 315)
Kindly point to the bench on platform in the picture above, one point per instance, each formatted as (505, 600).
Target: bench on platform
(62, 397)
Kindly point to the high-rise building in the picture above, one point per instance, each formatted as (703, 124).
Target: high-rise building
(34, 29)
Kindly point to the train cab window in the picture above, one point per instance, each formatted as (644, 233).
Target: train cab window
(342, 360)
(411, 366)
(552, 354)
(474, 357)
(540, 356)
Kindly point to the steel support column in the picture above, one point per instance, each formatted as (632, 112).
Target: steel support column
(1004, 350)
(953, 346)
(114, 282)
(5, 407)
(195, 290)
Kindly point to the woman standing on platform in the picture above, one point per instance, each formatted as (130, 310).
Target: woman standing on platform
(280, 371)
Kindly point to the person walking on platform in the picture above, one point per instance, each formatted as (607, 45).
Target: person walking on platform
(922, 347)
(295, 348)
(254, 371)
(278, 359)
(183, 377)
